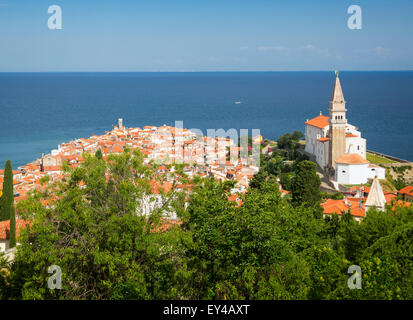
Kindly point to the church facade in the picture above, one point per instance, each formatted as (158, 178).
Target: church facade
(338, 146)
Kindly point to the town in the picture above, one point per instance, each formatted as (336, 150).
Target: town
(334, 145)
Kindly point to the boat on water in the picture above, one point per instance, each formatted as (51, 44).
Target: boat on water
(237, 102)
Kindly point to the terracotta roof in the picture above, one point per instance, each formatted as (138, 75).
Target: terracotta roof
(400, 203)
(389, 197)
(407, 190)
(319, 122)
(157, 186)
(366, 189)
(5, 228)
(166, 224)
(350, 135)
(117, 149)
(13, 171)
(323, 139)
(331, 206)
(351, 158)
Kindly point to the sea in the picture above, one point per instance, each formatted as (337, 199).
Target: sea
(38, 111)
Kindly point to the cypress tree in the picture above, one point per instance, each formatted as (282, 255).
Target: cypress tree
(12, 237)
(98, 154)
(306, 184)
(8, 195)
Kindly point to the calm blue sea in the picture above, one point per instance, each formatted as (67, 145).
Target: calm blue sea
(40, 110)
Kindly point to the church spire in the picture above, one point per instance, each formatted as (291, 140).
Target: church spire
(337, 91)
(376, 196)
(338, 121)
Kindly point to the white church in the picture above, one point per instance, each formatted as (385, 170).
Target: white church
(338, 146)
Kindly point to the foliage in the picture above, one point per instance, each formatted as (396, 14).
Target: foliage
(306, 185)
(382, 246)
(400, 182)
(239, 252)
(334, 196)
(4, 276)
(259, 178)
(289, 141)
(266, 248)
(105, 248)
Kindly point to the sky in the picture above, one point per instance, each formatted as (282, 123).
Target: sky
(205, 35)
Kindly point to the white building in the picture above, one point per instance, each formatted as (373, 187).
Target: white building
(346, 156)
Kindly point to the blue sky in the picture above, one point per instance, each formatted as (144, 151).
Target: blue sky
(205, 35)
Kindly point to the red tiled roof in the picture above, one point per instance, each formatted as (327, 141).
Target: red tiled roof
(366, 189)
(5, 228)
(319, 122)
(117, 149)
(166, 225)
(400, 203)
(351, 158)
(389, 197)
(407, 190)
(166, 186)
(331, 206)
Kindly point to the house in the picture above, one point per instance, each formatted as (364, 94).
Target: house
(358, 205)
(354, 206)
(407, 193)
(5, 232)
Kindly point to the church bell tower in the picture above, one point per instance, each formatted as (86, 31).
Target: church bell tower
(337, 121)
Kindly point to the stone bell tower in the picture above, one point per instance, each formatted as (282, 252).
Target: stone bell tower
(337, 121)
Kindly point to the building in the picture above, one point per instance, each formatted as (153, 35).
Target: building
(407, 193)
(337, 146)
(5, 232)
(360, 199)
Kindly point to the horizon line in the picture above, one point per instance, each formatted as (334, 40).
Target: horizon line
(212, 71)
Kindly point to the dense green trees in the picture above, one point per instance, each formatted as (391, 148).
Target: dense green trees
(259, 178)
(7, 198)
(289, 141)
(244, 252)
(95, 233)
(266, 248)
(282, 163)
(306, 185)
(382, 245)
